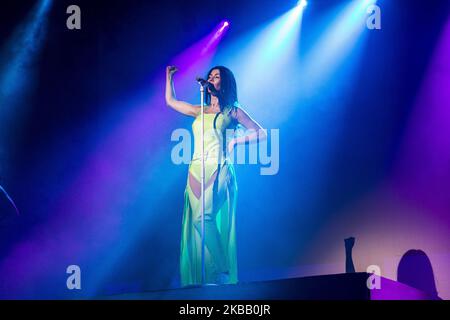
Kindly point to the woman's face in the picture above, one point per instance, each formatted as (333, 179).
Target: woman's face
(214, 79)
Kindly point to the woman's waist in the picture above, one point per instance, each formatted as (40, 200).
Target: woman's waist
(211, 164)
(208, 153)
(209, 159)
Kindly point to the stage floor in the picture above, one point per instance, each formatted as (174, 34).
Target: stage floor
(351, 286)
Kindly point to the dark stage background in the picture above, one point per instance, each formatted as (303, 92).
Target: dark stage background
(85, 141)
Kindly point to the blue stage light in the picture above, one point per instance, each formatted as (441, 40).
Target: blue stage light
(302, 3)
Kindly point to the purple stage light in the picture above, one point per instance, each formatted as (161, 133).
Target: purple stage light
(225, 24)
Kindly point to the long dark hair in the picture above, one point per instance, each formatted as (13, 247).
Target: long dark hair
(228, 91)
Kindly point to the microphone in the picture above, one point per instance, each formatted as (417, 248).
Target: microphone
(202, 81)
(206, 84)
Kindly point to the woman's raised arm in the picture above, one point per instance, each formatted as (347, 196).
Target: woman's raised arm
(171, 100)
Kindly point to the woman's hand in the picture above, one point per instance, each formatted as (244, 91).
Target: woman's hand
(170, 71)
(231, 145)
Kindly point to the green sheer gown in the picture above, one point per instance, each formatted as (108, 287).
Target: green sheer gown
(220, 206)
